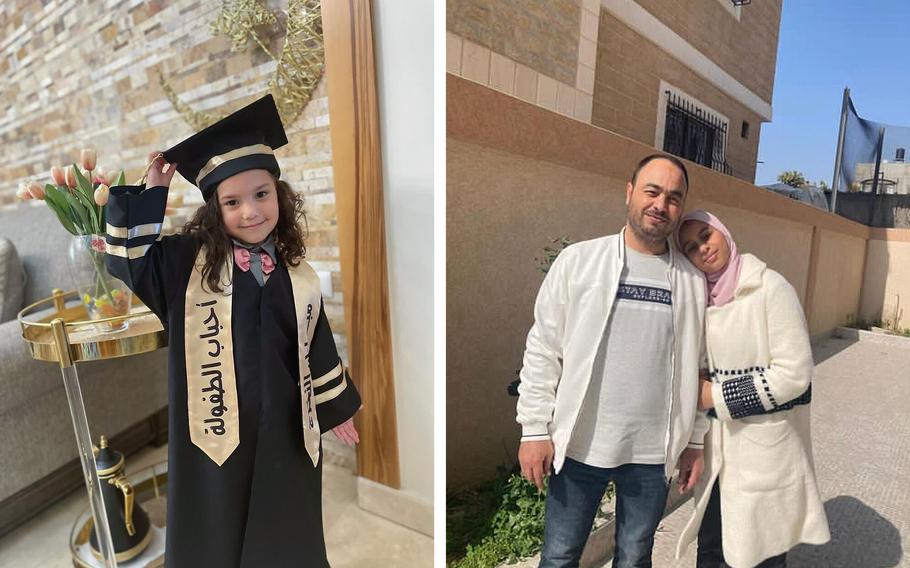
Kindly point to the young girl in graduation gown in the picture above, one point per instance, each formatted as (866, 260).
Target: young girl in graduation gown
(758, 497)
(254, 375)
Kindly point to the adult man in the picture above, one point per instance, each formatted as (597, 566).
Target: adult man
(609, 380)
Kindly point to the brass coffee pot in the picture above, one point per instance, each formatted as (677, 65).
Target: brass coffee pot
(128, 522)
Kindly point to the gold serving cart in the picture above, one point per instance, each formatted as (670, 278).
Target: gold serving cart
(57, 332)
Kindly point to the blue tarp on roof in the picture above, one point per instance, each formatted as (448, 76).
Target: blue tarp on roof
(812, 195)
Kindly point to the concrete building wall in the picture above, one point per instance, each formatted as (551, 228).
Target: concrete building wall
(609, 62)
(742, 41)
(492, 280)
(896, 172)
(886, 283)
(519, 176)
(838, 282)
(632, 77)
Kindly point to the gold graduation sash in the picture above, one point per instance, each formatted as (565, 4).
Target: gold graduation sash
(211, 383)
(307, 303)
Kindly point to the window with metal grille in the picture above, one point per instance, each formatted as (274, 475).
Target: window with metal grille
(695, 134)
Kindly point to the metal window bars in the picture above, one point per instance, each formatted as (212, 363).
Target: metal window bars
(695, 134)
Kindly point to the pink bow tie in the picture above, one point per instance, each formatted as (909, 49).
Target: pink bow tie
(242, 257)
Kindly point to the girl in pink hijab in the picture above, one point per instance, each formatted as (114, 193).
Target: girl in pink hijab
(758, 496)
(710, 247)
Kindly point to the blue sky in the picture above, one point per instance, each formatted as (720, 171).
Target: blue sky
(825, 46)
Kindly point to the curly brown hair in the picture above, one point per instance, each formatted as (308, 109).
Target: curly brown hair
(290, 232)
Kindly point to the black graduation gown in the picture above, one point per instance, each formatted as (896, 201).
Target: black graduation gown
(263, 505)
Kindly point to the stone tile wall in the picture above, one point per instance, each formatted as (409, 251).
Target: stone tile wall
(539, 34)
(744, 46)
(487, 44)
(77, 74)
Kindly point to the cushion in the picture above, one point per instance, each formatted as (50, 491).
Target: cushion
(42, 244)
(12, 281)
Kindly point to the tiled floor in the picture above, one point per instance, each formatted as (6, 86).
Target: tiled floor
(354, 538)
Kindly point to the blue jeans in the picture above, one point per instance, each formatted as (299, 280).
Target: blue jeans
(572, 500)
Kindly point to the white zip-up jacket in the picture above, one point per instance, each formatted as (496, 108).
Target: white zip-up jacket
(570, 314)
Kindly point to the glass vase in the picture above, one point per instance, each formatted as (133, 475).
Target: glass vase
(104, 296)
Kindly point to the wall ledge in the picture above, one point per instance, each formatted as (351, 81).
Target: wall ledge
(871, 336)
(402, 507)
(891, 235)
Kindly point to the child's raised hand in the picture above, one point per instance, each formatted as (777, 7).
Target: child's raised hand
(347, 433)
(160, 172)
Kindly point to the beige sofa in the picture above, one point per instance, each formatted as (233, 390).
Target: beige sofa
(125, 399)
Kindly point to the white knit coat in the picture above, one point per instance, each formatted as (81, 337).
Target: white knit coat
(759, 447)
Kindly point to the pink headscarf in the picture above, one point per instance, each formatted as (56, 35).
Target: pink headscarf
(722, 284)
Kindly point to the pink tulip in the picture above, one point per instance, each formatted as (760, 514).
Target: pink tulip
(101, 195)
(22, 193)
(36, 190)
(58, 176)
(101, 176)
(70, 177)
(89, 158)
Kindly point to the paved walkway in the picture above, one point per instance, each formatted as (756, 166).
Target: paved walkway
(861, 436)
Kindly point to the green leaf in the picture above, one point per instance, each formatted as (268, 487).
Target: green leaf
(82, 214)
(53, 196)
(86, 194)
(58, 205)
(89, 206)
(83, 184)
(121, 179)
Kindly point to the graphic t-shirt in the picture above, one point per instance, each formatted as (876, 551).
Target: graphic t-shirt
(623, 418)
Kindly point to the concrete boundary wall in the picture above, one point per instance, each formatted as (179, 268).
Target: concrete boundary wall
(518, 176)
(886, 282)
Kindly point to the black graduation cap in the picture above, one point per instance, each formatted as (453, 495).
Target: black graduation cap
(238, 142)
